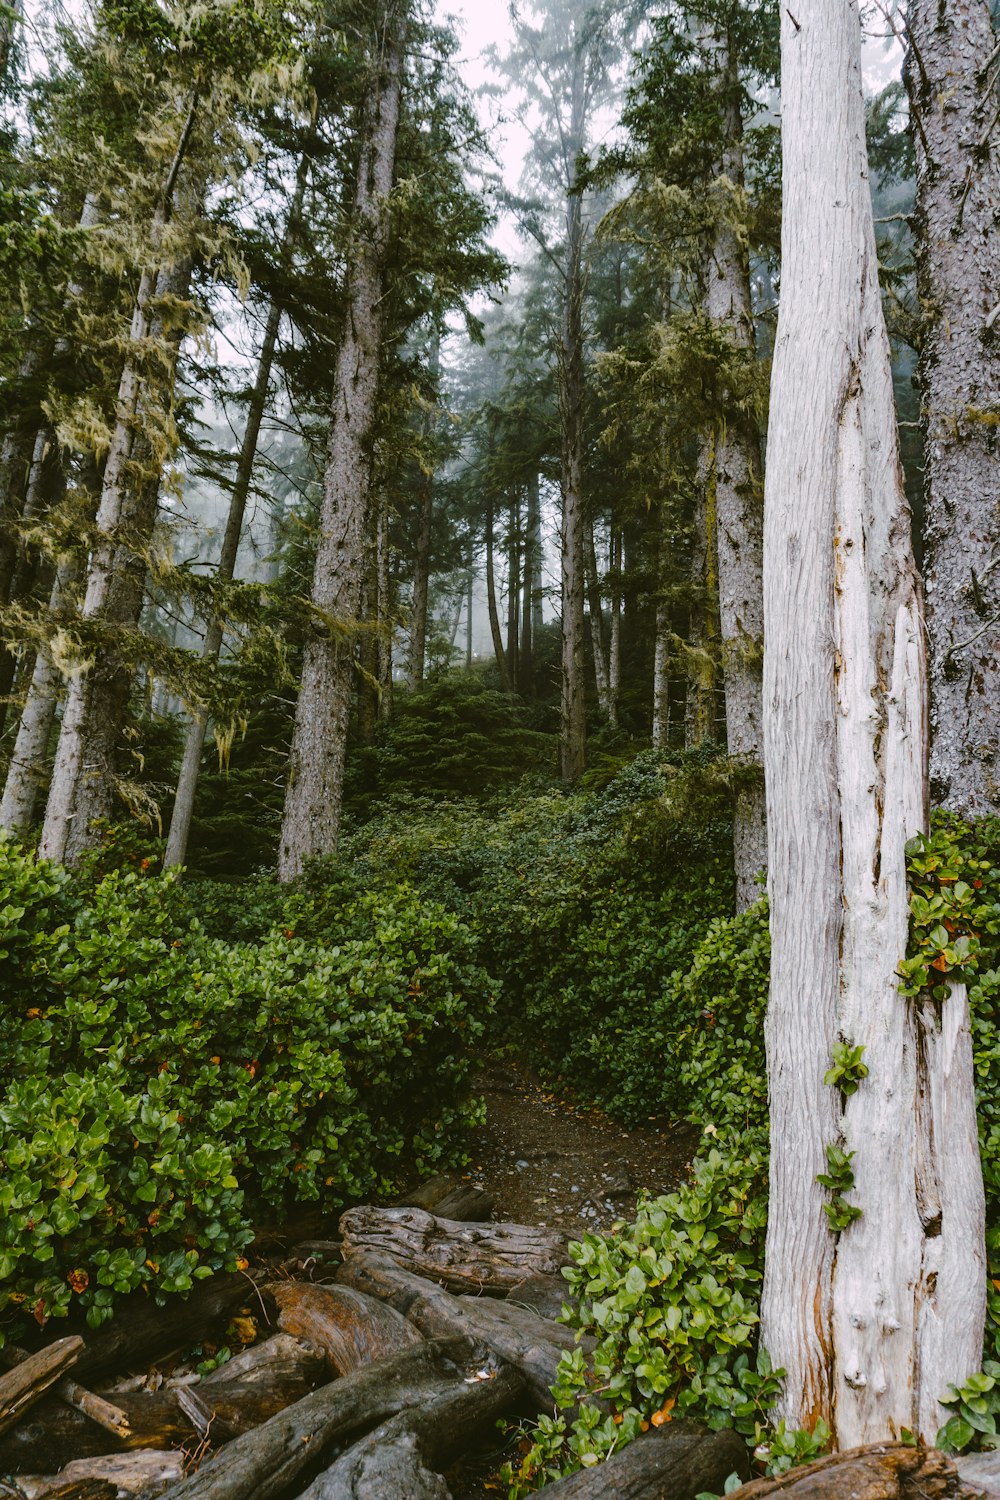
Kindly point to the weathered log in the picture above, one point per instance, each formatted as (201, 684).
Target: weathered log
(28, 1381)
(112, 1418)
(404, 1457)
(545, 1295)
(351, 1329)
(980, 1472)
(449, 1199)
(54, 1433)
(884, 1471)
(141, 1333)
(143, 1473)
(462, 1257)
(514, 1334)
(265, 1463)
(84, 1489)
(283, 1359)
(680, 1464)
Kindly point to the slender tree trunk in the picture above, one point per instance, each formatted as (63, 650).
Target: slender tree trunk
(525, 660)
(535, 536)
(874, 1321)
(468, 618)
(10, 19)
(491, 603)
(368, 614)
(46, 480)
(513, 591)
(425, 523)
(663, 643)
(385, 614)
(194, 744)
(311, 823)
(739, 517)
(598, 637)
(951, 80)
(703, 620)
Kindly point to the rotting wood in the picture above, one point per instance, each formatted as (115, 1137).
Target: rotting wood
(352, 1329)
(106, 1415)
(265, 1463)
(883, 1471)
(514, 1334)
(145, 1473)
(665, 1461)
(282, 1357)
(141, 1332)
(29, 1380)
(405, 1456)
(463, 1257)
(448, 1198)
(544, 1295)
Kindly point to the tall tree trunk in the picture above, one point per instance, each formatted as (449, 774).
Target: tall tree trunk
(425, 523)
(194, 744)
(615, 638)
(598, 637)
(663, 642)
(368, 615)
(739, 518)
(468, 617)
(311, 822)
(491, 603)
(951, 80)
(513, 590)
(525, 660)
(82, 776)
(46, 481)
(383, 562)
(700, 716)
(10, 19)
(535, 543)
(874, 1321)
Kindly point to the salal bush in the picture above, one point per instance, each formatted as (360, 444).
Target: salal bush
(160, 1088)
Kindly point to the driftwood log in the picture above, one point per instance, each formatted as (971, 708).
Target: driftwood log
(449, 1199)
(95, 1407)
(29, 1380)
(980, 1472)
(222, 1405)
(141, 1333)
(666, 1461)
(545, 1295)
(405, 1456)
(351, 1328)
(144, 1473)
(462, 1257)
(265, 1463)
(514, 1334)
(890, 1471)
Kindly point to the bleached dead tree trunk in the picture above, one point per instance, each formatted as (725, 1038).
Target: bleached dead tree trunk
(739, 517)
(872, 1322)
(951, 76)
(311, 822)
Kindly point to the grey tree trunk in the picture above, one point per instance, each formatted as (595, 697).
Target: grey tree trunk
(526, 656)
(739, 516)
(514, 591)
(615, 638)
(491, 604)
(598, 635)
(573, 711)
(663, 652)
(422, 559)
(873, 1320)
(385, 613)
(951, 80)
(468, 617)
(535, 545)
(194, 744)
(700, 715)
(311, 822)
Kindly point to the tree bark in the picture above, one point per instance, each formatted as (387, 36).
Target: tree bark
(491, 603)
(385, 613)
(739, 518)
(351, 1329)
(480, 1257)
(311, 823)
(952, 92)
(700, 715)
(598, 638)
(194, 744)
(145, 1472)
(573, 707)
(425, 523)
(890, 1471)
(615, 637)
(28, 1381)
(857, 1318)
(663, 1461)
(514, 590)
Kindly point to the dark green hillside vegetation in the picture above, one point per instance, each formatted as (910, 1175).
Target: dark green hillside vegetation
(163, 1089)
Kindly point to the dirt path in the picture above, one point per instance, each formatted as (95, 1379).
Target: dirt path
(546, 1160)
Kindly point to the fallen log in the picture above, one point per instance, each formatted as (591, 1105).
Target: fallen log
(449, 1199)
(462, 1257)
(263, 1464)
(143, 1473)
(514, 1334)
(142, 1333)
(677, 1463)
(85, 1489)
(884, 1471)
(110, 1417)
(283, 1359)
(53, 1434)
(29, 1380)
(980, 1471)
(350, 1328)
(405, 1456)
(545, 1295)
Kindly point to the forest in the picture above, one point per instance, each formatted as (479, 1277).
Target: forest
(499, 647)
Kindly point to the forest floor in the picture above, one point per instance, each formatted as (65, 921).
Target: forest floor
(545, 1159)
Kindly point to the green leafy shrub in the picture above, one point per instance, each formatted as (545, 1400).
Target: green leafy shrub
(159, 1087)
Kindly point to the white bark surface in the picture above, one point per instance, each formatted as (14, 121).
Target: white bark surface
(855, 1317)
(951, 79)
